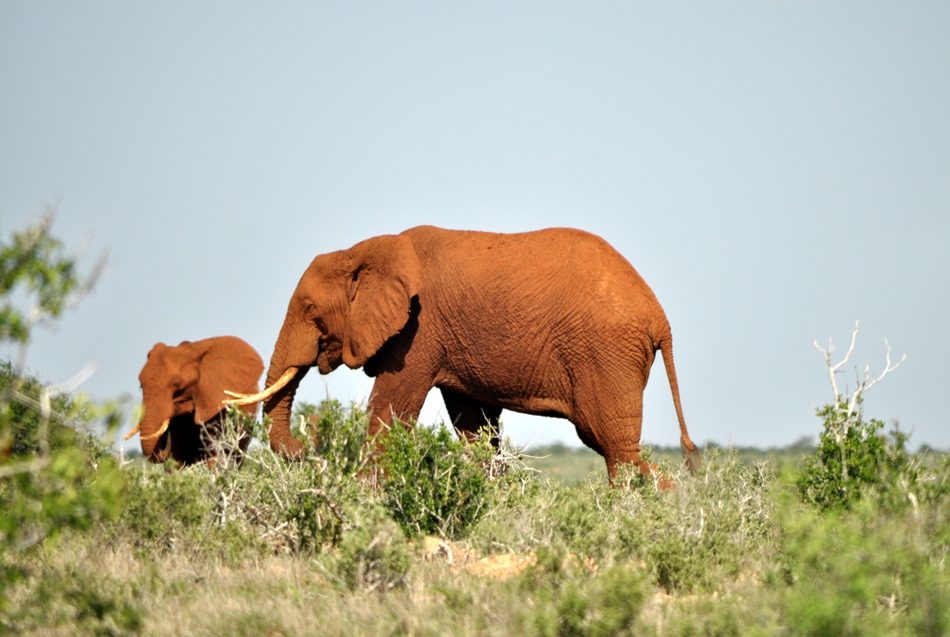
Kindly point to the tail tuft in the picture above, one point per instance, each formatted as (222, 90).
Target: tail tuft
(691, 456)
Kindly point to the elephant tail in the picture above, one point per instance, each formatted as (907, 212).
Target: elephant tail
(691, 456)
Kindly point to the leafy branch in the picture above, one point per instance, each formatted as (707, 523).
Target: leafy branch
(36, 261)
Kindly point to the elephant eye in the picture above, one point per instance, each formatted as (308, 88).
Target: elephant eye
(178, 393)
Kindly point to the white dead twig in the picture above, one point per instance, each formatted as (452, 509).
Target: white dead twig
(862, 384)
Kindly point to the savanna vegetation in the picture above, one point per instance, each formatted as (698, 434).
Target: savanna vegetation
(434, 537)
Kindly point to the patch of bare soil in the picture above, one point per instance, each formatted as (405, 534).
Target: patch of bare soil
(500, 567)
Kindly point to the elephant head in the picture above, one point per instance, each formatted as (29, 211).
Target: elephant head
(345, 307)
(182, 392)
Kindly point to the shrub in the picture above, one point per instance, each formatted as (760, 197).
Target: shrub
(79, 603)
(164, 508)
(21, 418)
(316, 518)
(373, 553)
(563, 597)
(434, 483)
(853, 457)
(339, 433)
(34, 262)
(866, 571)
(718, 526)
(264, 504)
(54, 476)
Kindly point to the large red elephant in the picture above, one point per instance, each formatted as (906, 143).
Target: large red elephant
(182, 390)
(554, 322)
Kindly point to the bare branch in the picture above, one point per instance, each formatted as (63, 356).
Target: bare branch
(862, 385)
(42, 433)
(887, 370)
(68, 386)
(87, 285)
(834, 369)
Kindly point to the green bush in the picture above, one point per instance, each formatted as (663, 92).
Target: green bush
(21, 418)
(935, 482)
(434, 483)
(853, 458)
(78, 603)
(338, 433)
(373, 554)
(34, 262)
(717, 527)
(867, 571)
(55, 477)
(563, 597)
(317, 519)
(264, 504)
(165, 509)
(714, 528)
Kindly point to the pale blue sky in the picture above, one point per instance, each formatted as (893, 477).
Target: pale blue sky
(774, 170)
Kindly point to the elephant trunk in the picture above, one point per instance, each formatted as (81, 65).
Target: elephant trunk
(154, 447)
(148, 446)
(279, 407)
(297, 346)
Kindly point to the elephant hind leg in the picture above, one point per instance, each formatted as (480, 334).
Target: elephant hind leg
(470, 416)
(618, 441)
(620, 444)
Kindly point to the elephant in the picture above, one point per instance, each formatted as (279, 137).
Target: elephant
(553, 322)
(182, 392)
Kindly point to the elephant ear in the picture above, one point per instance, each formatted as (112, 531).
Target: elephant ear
(228, 364)
(386, 277)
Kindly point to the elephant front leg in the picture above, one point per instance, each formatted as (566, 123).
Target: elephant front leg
(396, 397)
(470, 416)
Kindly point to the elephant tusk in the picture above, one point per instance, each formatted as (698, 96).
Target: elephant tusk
(133, 432)
(249, 399)
(160, 431)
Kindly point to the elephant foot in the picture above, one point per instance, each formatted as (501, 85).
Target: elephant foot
(663, 481)
(625, 474)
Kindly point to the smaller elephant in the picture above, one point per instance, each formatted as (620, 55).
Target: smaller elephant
(182, 390)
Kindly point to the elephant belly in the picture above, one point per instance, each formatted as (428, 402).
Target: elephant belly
(534, 405)
(595, 375)
(541, 387)
(550, 407)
